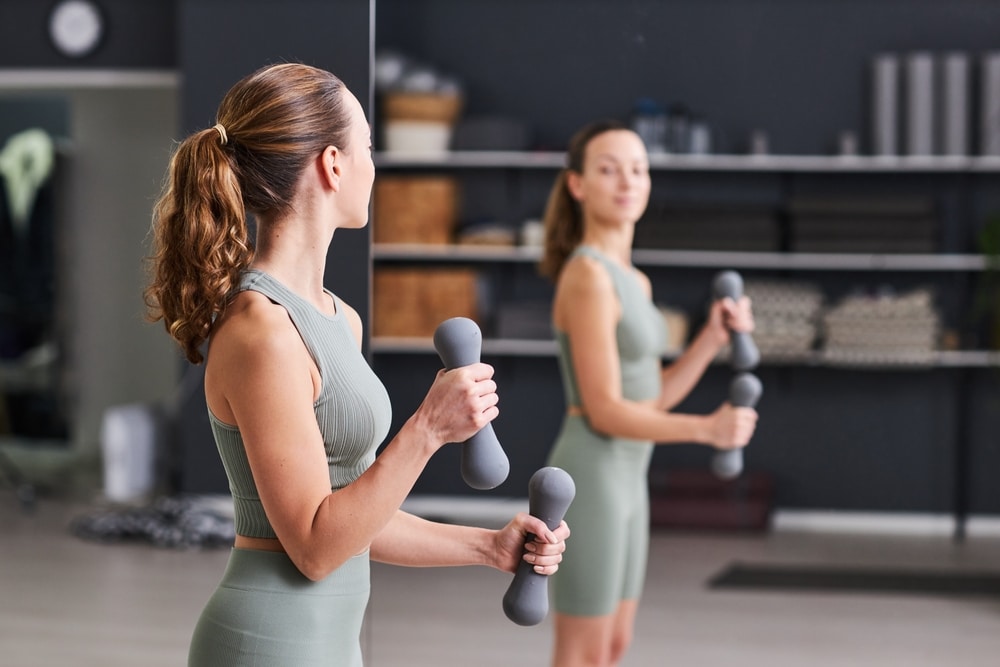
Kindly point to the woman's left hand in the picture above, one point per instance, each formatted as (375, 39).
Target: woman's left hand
(544, 551)
(729, 315)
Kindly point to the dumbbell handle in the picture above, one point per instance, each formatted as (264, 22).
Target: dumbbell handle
(744, 356)
(484, 464)
(550, 492)
(744, 392)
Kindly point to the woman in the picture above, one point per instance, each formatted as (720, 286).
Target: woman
(619, 394)
(296, 411)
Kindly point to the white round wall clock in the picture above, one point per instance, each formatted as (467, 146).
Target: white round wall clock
(76, 27)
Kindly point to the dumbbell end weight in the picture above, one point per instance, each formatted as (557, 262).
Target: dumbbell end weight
(458, 342)
(728, 464)
(727, 284)
(484, 463)
(744, 355)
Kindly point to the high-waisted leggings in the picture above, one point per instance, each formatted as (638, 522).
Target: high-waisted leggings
(265, 613)
(605, 561)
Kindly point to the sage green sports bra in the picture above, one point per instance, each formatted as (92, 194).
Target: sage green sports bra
(353, 409)
(641, 334)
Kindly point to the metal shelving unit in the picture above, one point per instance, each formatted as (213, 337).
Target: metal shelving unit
(86, 78)
(668, 162)
(512, 347)
(696, 258)
(777, 261)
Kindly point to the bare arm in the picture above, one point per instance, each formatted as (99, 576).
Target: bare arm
(265, 381)
(411, 541)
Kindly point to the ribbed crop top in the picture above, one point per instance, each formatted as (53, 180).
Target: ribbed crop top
(353, 409)
(641, 334)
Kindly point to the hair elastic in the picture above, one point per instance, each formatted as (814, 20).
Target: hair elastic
(222, 133)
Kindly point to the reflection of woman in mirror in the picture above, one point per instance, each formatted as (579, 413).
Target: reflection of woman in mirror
(619, 394)
(296, 411)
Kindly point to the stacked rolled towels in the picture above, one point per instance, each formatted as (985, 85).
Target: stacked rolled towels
(786, 317)
(884, 329)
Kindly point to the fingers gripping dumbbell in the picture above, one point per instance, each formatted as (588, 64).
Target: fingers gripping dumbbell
(745, 355)
(744, 392)
(550, 492)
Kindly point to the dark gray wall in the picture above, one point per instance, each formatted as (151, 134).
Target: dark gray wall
(791, 67)
(138, 35)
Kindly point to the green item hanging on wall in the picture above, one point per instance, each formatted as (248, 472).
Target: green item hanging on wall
(26, 163)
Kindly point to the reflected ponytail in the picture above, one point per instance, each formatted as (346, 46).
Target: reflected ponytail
(563, 223)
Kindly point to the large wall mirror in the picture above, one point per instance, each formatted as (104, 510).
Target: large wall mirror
(74, 342)
(33, 137)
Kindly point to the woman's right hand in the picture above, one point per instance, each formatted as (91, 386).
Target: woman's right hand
(731, 427)
(460, 403)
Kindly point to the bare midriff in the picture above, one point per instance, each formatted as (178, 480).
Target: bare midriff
(258, 543)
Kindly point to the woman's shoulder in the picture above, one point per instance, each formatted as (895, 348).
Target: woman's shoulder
(253, 344)
(254, 323)
(584, 272)
(585, 288)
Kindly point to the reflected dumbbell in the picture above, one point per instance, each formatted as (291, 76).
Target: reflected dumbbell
(745, 355)
(745, 389)
(744, 392)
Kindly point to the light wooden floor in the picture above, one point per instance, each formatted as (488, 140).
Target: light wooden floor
(64, 601)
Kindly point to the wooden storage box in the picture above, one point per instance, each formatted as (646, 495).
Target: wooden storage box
(414, 301)
(414, 209)
(428, 107)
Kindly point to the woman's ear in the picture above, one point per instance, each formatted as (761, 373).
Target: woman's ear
(330, 167)
(574, 185)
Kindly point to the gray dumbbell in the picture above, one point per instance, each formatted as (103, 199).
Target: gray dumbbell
(550, 492)
(744, 392)
(484, 464)
(745, 355)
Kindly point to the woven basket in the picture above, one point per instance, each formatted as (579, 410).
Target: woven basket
(414, 301)
(430, 107)
(414, 209)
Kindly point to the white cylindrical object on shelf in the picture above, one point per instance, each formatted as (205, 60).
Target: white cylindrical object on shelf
(954, 106)
(920, 103)
(989, 94)
(417, 137)
(885, 104)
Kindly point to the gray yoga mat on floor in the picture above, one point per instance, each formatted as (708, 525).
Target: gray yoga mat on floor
(856, 580)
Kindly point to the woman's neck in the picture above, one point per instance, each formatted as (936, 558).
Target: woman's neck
(615, 244)
(295, 254)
